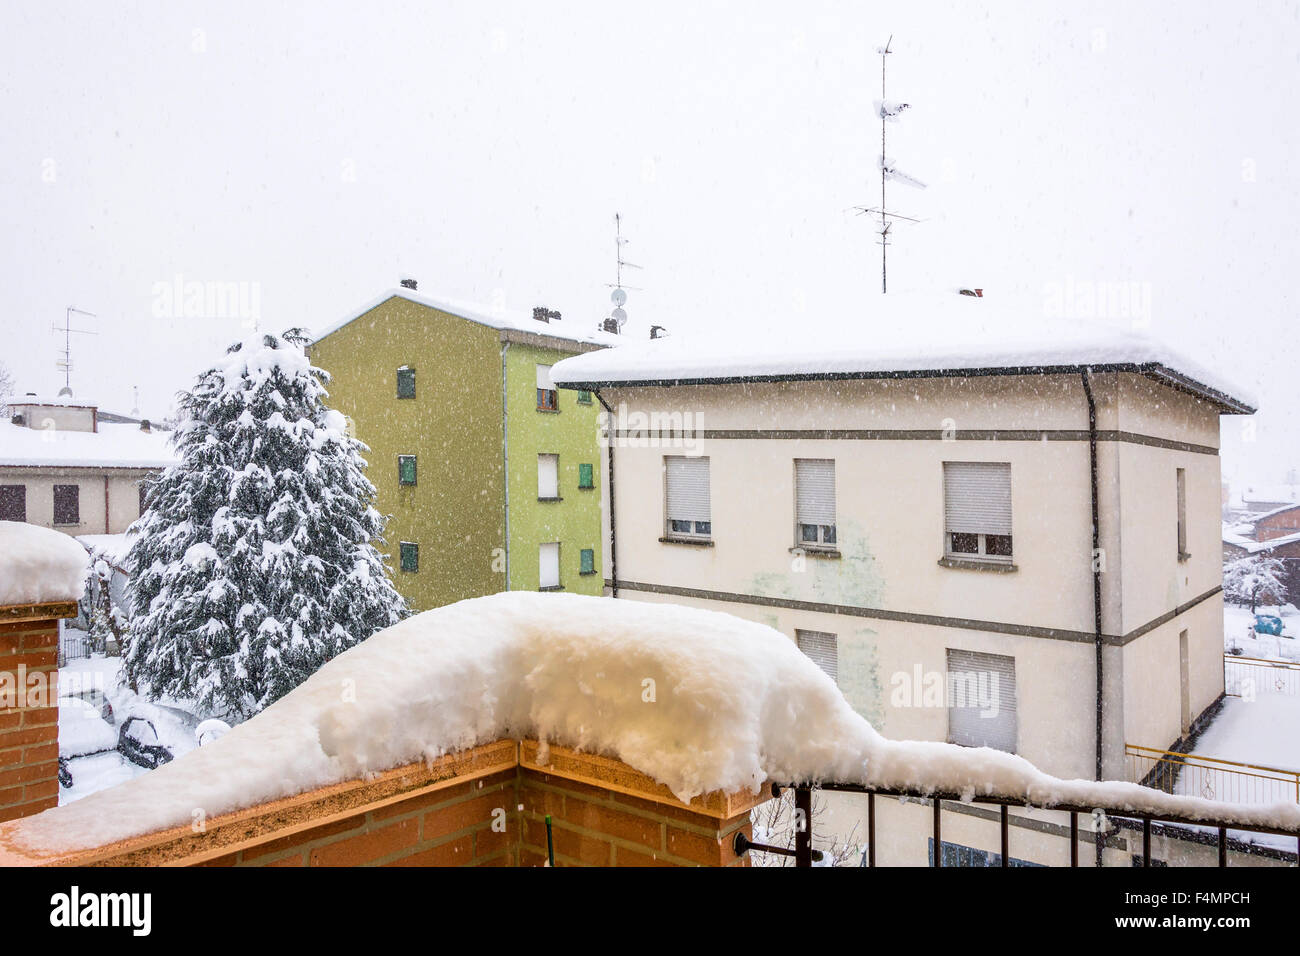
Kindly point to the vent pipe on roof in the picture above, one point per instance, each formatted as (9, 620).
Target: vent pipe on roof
(408, 283)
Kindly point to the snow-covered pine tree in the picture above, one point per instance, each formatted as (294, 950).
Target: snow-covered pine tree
(253, 564)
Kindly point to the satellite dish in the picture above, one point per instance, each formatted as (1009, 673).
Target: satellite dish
(619, 316)
(618, 297)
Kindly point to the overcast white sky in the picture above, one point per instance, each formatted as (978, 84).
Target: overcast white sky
(318, 150)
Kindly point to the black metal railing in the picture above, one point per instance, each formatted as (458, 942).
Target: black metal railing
(1199, 831)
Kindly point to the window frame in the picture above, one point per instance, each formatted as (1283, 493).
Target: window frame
(823, 542)
(981, 557)
(559, 566)
(693, 536)
(557, 496)
(548, 399)
(800, 632)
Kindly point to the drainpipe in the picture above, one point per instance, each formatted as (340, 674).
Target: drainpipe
(613, 535)
(1085, 375)
(106, 504)
(505, 453)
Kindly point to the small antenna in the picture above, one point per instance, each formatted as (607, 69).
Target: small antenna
(889, 112)
(618, 315)
(65, 364)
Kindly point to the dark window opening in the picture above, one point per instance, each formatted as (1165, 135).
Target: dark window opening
(406, 383)
(13, 502)
(410, 556)
(67, 504)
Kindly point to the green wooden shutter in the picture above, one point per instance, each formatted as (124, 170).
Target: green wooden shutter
(588, 561)
(406, 469)
(410, 556)
(406, 383)
(585, 477)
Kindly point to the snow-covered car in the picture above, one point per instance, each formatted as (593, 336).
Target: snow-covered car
(138, 742)
(96, 698)
(82, 729)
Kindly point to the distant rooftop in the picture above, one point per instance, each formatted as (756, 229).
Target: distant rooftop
(113, 446)
(899, 336)
(571, 329)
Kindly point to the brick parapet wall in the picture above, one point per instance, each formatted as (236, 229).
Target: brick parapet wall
(483, 807)
(29, 714)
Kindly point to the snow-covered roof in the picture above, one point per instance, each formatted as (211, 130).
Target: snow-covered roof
(1270, 493)
(735, 704)
(898, 335)
(1251, 546)
(39, 565)
(113, 446)
(1254, 519)
(503, 319)
(58, 401)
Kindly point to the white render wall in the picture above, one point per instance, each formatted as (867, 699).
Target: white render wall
(123, 496)
(890, 520)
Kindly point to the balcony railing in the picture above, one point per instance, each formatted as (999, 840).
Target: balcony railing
(1251, 676)
(1198, 830)
(1194, 775)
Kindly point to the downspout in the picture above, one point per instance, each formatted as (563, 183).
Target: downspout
(505, 453)
(613, 534)
(1096, 577)
(106, 531)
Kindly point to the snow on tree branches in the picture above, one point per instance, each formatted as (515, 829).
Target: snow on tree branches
(253, 564)
(1254, 579)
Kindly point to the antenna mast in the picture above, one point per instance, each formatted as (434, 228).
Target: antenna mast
(888, 112)
(65, 363)
(618, 315)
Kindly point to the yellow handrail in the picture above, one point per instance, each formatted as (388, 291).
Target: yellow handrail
(1156, 756)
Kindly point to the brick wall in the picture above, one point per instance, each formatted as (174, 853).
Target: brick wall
(29, 715)
(1275, 526)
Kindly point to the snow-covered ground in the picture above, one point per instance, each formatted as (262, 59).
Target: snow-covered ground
(1239, 633)
(1262, 731)
(99, 771)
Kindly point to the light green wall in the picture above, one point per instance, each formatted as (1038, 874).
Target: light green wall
(455, 511)
(570, 433)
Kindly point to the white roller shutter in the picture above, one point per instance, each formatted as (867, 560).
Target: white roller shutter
(688, 488)
(548, 560)
(544, 378)
(982, 700)
(823, 649)
(977, 497)
(548, 476)
(814, 481)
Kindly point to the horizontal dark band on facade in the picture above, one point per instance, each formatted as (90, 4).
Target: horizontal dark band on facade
(912, 434)
(907, 617)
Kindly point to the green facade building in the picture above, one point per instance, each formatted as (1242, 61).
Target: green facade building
(491, 475)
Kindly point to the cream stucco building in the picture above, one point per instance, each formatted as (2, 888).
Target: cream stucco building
(62, 466)
(919, 517)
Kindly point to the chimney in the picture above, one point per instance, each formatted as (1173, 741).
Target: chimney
(145, 426)
(408, 283)
(657, 331)
(977, 293)
(610, 325)
(542, 314)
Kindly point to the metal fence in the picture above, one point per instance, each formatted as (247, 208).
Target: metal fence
(1192, 775)
(1248, 677)
(73, 644)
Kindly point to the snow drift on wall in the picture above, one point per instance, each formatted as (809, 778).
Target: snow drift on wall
(39, 565)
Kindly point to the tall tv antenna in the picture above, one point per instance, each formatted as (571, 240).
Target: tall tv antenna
(64, 364)
(889, 111)
(618, 315)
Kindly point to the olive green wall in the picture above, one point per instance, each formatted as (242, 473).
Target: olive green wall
(455, 511)
(570, 433)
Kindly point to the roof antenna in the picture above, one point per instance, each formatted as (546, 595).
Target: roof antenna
(889, 111)
(65, 363)
(618, 315)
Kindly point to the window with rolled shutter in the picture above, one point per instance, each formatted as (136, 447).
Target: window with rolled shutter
(814, 482)
(548, 476)
(982, 700)
(547, 398)
(548, 560)
(977, 509)
(688, 502)
(823, 649)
